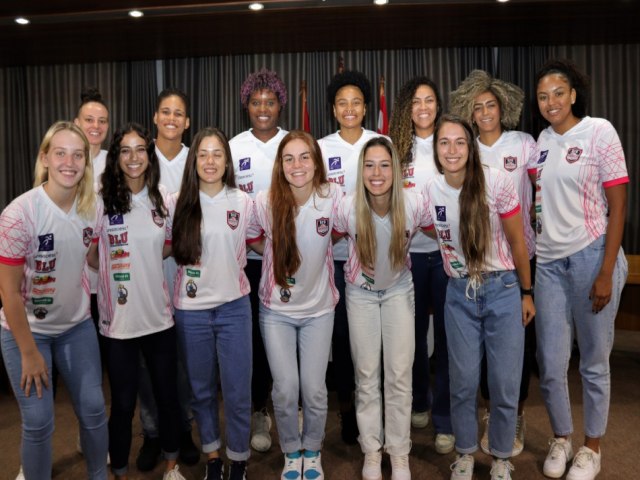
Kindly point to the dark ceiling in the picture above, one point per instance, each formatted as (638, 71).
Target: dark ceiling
(73, 31)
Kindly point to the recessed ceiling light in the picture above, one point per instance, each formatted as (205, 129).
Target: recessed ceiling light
(380, 2)
(135, 13)
(503, 1)
(256, 6)
(22, 21)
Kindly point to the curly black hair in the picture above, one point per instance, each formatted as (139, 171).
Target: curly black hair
(349, 77)
(577, 80)
(116, 195)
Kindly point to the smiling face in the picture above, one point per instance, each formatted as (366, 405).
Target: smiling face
(555, 97)
(65, 161)
(211, 164)
(424, 109)
(377, 171)
(453, 150)
(133, 160)
(298, 164)
(171, 118)
(349, 107)
(264, 113)
(486, 113)
(93, 119)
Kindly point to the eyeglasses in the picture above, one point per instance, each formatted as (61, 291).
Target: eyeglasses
(127, 152)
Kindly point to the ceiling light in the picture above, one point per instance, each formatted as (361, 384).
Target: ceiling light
(135, 13)
(256, 6)
(380, 2)
(503, 1)
(22, 21)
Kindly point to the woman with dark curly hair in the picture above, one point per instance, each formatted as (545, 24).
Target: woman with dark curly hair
(133, 298)
(581, 194)
(416, 110)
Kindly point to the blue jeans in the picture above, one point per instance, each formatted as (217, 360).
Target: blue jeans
(77, 357)
(430, 283)
(563, 285)
(491, 325)
(298, 353)
(219, 336)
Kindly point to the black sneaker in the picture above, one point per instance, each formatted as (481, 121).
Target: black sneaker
(149, 454)
(189, 453)
(349, 424)
(215, 470)
(238, 471)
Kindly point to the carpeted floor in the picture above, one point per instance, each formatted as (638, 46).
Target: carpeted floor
(342, 462)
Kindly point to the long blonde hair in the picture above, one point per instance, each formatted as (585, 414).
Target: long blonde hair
(85, 195)
(365, 229)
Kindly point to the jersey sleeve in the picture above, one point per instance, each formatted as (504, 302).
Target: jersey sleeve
(612, 167)
(340, 224)
(14, 236)
(506, 196)
(259, 217)
(532, 152)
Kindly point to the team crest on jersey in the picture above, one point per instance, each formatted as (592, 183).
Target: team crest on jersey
(245, 163)
(573, 154)
(123, 294)
(116, 219)
(322, 226)
(233, 219)
(45, 242)
(191, 288)
(285, 295)
(87, 233)
(510, 163)
(543, 156)
(40, 312)
(441, 213)
(335, 163)
(157, 219)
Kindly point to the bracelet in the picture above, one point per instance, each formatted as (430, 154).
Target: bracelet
(526, 291)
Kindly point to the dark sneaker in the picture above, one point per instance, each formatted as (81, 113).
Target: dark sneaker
(189, 453)
(238, 471)
(215, 470)
(149, 454)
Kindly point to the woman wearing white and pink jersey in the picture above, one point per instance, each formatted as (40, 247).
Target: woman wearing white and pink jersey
(493, 108)
(379, 220)
(298, 296)
(211, 297)
(581, 195)
(476, 214)
(44, 238)
(133, 299)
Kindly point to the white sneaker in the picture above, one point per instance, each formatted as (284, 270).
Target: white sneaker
(501, 469)
(445, 443)
(371, 469)
(560, 452)
(586, 465)
(484, 440)
(462, 468)
(400, 467)
(518, 442)
(312, 466)
(260, 437)
(419, 419)
(173, 474)
(20, 474)
(292, 466)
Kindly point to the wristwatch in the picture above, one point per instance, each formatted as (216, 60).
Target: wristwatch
(526, 291)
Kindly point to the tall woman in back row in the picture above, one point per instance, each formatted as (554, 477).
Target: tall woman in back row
(581, 198)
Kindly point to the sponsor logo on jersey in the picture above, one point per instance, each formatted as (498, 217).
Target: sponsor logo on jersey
(116, 219)
(87, 233)
(441, 213)
(118, 239)
(335, 163)
(42, 301)
(191, 288)
(408, 184)
(246, 187)
(120, 266)
(122, 277)
(45, 266)
(407, 172)
(245, 163)
(339, 180)
(42, 291)
(510, 163)
(40, 312)
(444, 235)
(233, 219)
(193, 273)
(157, 219)
(123, 293)
(45, 242)
(43, 279)
(285, 295)
(117, 253)
(573, 154)
(543, 156)
(322, 226)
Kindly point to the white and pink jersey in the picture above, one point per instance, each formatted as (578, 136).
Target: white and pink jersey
(574, 169)
(133, 297)
(311, 291)
(171, 170)
(341, 161)
(383, 275)
(443, 205)
(253, 162)
(414, 177)
(516, 154)
(99, 163)
(52, 246)
(219, 276)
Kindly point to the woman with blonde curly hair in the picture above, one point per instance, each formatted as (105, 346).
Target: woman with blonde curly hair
(416, 111)
(493, 107)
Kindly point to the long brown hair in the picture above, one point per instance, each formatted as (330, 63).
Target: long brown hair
(286, 256)
(187, 220)
(475, 227)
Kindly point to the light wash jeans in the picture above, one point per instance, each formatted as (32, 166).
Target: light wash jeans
(489, 324)
(563, 307)
(219, 336)
(382, 334)
(77, 358)
(298, 354)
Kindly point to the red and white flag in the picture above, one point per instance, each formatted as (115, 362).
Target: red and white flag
(383, 117)
(304, 115)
